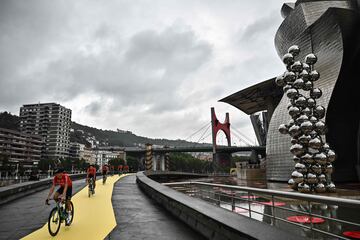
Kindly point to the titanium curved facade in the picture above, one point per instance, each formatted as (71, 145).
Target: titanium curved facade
(331, 30)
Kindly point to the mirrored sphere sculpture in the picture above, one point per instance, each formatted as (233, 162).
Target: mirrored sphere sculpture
(312, 155)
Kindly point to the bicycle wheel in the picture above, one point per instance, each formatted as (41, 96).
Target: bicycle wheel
(54, 222)
(72, 212)
(89, 189)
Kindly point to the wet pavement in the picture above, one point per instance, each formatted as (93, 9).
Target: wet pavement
(139, 217)
(23, 216)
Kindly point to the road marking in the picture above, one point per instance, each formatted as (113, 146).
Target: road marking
(94, 217)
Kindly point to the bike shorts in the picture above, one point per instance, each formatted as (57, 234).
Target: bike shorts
(91, 176)
(104, 172)
(68, 192)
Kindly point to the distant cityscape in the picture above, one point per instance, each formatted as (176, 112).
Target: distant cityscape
(44, 133)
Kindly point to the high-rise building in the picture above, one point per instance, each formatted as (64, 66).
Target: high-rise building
(20, 148)
(52, 122)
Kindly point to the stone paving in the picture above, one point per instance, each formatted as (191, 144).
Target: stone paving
(139, 217)
(23, 216)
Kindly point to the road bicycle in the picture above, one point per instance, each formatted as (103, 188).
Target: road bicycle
(58, 215)
(104, 178)
(91, 190)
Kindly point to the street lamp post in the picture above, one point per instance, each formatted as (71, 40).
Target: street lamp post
(17, 170)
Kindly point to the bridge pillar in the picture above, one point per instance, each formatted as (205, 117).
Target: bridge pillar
(162, 162)
(167, 161)
(155, 162)
(148, 157)
(220, 159)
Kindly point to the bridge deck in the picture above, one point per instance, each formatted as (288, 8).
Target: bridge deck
(136, 215)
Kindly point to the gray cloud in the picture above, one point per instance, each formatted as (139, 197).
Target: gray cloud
(155, 69)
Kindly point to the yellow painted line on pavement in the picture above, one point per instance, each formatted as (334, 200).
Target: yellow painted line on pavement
(93, 217)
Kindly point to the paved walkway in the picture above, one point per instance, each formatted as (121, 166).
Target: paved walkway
(93, 217)
(139, 217)
(25, 215)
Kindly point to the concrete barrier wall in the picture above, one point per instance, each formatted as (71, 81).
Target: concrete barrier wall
(211, 221)
(15, 191)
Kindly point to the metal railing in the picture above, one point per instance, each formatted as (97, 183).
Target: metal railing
(220, 194)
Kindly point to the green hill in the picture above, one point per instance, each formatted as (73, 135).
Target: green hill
(82, 133)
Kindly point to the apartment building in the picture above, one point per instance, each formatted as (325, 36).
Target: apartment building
(20, 148)
(52, 122)
(76, 150)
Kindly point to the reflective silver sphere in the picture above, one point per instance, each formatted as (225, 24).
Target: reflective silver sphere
(306, 67)
(310, 59)
(302, 118)
(292, 93)
(316, 93)
(320, 158)
(311, 102)
(296, 67)
(299, 83)
(320, 127)
(294, 131)
(316, 168)
(292, 184)
(301, 168)
(286, 88)
(304, 139)
(326, 146)
(329, 169)
(303, 188)
(313, 119)
(304, 75)
(297, 149)
(331, 187)
(308, 85)
(306, 111)
(307, 158)
(294, 141)
(300, 101)
(294, 111)
(315, 143)
(288, 58)
(320, 188)
(298, 177)
(294, 50)
(314, 75)
(322, 178)
(283, 129)
(331, 155)
(280, 81)
(311, 178)
(289, 77)
(306, 127)
(319, 112)
(296, 159)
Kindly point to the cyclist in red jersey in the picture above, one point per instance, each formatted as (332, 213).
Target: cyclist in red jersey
(105, 169)
(91, 173)
(64, 192)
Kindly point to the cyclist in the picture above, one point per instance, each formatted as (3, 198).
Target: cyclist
(91, 173)
(105, 170)
(64, 192)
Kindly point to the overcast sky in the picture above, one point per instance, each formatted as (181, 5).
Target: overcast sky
(154, 67)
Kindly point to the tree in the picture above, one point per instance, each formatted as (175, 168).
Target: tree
(5, 165)
(116, 162)
(45, 163)
(186, 163)
(133, 163)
